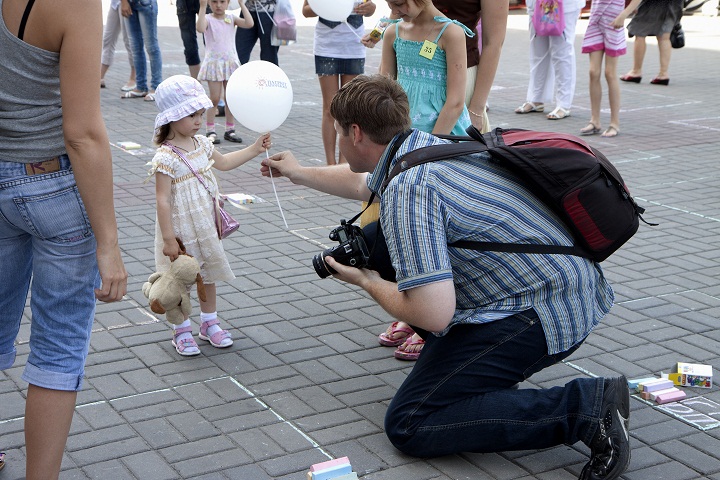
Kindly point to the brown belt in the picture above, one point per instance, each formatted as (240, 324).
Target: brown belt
(48, 166)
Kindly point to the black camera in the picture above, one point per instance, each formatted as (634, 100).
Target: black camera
(352, 250)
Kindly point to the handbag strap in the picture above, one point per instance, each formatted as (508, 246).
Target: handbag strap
(184, 159)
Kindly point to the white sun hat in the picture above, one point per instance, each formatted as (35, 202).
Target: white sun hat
(177, 97)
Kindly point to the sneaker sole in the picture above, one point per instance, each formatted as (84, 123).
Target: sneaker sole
(622, 412)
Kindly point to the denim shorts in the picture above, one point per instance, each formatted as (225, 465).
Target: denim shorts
(339, 66)
(45, 235)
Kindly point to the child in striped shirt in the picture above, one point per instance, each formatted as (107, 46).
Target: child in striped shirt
(603, 39)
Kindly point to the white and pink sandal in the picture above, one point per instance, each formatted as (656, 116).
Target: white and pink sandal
(219, 339)
(187, 346)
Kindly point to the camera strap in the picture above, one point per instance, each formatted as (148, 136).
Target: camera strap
(393, 150)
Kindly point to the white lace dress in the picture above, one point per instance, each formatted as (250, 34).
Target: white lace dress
(192, 211)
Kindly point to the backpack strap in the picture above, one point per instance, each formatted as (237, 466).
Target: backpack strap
(432, 153)
(468, 146)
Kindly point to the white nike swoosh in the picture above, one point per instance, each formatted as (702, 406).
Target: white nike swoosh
(622, 423)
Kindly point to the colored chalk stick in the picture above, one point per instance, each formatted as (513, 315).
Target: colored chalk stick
(660, 384)
(670, 397)
(330, 463)
(634, 384)
(332, 472)
(654, 395)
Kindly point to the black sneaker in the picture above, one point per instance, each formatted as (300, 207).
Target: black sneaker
(610, 447)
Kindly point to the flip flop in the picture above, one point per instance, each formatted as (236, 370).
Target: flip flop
(388, 338)
(610, 132)
(591, 129)
(530, 107)
(558, 114)
(133, 94)
(150, 97)
(401, 354)
(2, 460)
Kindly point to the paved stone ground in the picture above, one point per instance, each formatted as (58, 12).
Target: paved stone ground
(306, 379)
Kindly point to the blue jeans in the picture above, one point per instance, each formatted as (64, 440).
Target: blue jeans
(45, 235)
(245, 39)
(142, 26)
(458, 397)
(187, 11)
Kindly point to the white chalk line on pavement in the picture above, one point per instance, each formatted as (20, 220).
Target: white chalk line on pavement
(247, 391)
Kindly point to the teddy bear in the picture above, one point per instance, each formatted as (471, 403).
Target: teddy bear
(168, 292)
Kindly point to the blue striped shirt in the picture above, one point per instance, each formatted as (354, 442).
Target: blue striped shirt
(471, 198)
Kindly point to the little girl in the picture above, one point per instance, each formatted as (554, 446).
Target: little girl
(185, 209)
(426, 53)
(221, 59)
(602, 38)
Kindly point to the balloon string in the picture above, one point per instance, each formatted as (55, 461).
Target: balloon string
(352, 30)
(272, 180)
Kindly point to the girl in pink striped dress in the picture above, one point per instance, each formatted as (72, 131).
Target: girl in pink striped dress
(602, 39)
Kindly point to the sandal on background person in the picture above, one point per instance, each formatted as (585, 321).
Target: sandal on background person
(410, 349)
(530, 107)
(558, 114)
(150, 97)
(590, 129)
(134, 94)
(611, 131)
(127, 88)
(631, 78)
(395, 334)
(2, 460)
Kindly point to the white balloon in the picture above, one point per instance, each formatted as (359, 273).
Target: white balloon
(333, 10)
(259, 95)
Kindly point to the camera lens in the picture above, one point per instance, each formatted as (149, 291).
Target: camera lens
(321, 268)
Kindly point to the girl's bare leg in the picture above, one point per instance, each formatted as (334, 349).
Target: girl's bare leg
(613, 90)
(329, 85)
(210, 303)
(216, 89)
(595, 86)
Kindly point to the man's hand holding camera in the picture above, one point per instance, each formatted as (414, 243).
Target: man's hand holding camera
(348, 274)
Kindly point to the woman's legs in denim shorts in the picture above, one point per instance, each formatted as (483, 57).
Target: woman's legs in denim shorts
(333, 73)
(45, 234)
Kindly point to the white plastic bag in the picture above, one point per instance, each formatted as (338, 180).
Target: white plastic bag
(283, 31)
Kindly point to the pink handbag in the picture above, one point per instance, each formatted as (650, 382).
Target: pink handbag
(548, 18)
(224, 223)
